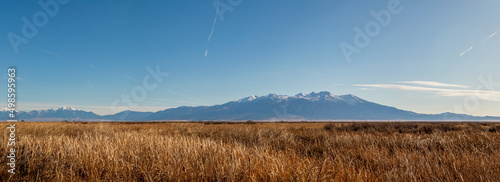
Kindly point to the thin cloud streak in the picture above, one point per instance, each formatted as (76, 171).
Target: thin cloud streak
(213, 27)
(490, 36)
(215, 21)
(434, 84)
(470, 48)
(480, 94)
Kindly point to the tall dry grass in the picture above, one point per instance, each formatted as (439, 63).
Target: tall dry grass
(254, 152)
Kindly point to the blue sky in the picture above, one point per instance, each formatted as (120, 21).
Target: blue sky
(431, 57)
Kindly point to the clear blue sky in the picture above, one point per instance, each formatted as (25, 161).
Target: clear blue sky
(90, 53)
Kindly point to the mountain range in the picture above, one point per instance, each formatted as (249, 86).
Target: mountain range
(272, 107)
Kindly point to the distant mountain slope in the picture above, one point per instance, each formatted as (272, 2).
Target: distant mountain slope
(313, 106)
(63, 113)
(128, 116)
(317, 106)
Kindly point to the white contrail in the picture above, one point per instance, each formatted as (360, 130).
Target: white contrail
(470, 48)
(213, 27)
(490, 36)
(215, 21)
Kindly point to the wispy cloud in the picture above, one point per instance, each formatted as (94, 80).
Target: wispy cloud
(434, 84)
(215, 22)
(489, 37)
(470, 48)
(213, 27)
(480, 94)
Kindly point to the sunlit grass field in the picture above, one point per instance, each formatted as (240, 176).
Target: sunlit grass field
(249, 151)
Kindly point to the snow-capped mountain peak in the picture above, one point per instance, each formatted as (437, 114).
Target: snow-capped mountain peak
(313, 96)
(300, 95)
(321, 96)
(351, 99)
(68, 109)
(275, 96)
(313, 106)
(4, 109)
(247, 99)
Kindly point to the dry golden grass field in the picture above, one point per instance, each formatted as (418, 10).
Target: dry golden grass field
(63, 151)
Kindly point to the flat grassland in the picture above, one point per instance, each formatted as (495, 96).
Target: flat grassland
(248, 151)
